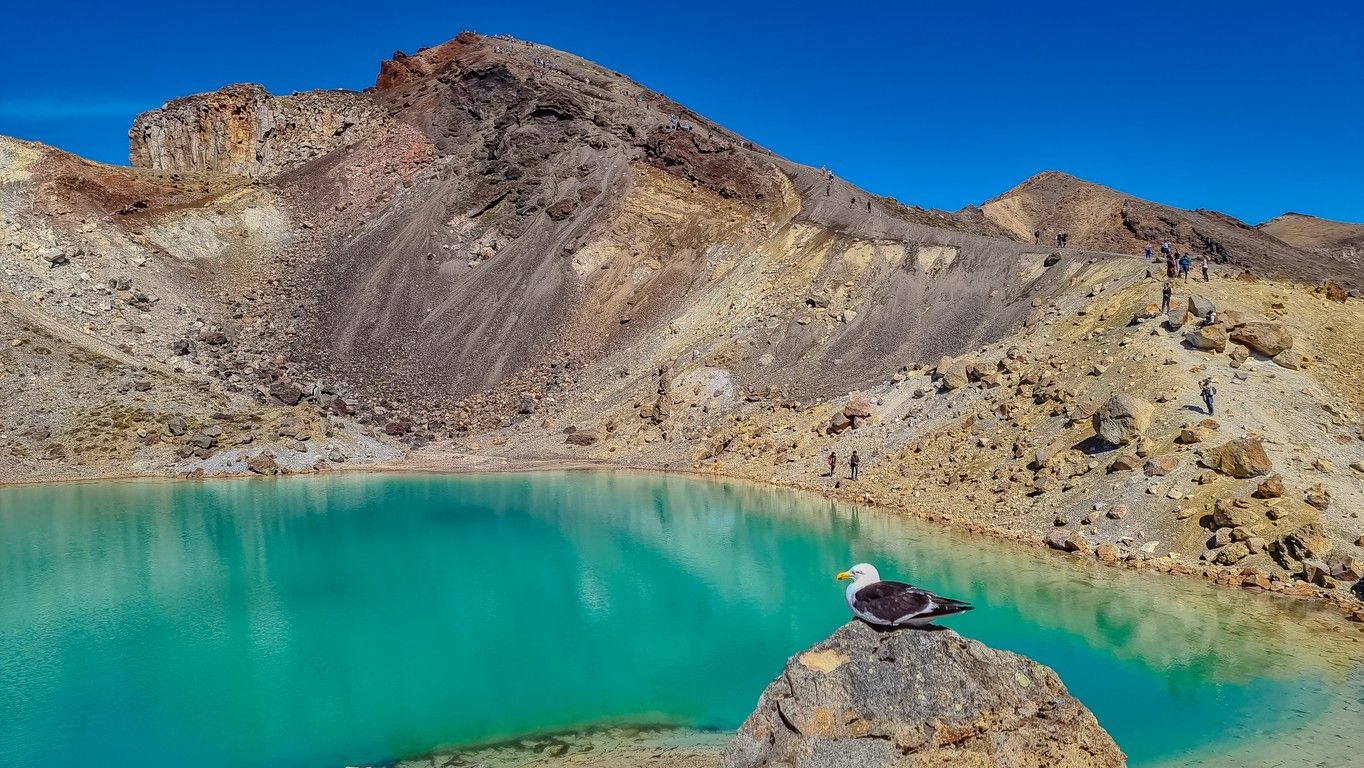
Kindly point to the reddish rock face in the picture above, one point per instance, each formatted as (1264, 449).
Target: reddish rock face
(403, 69)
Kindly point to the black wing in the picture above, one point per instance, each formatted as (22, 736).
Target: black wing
(892, 601)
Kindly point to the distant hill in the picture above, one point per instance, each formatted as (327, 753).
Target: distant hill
(1096, 217)
(1314, 234)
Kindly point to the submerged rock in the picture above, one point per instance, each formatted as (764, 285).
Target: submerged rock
(869, 699)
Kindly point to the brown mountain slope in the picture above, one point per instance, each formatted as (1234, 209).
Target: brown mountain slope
(496, 210)
(1321, 236)
(1100, 218)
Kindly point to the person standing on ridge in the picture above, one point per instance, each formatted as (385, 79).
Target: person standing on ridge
(1165, 248)
(854, 461)
(1170, 267)
(1165, 294)
(1203, 264)
(832, 461)
(1148, 251)
(1184, 265)
(868, 206)
(1206, 390)
(1036, 237)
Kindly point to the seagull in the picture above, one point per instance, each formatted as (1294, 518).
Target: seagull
(893, 603)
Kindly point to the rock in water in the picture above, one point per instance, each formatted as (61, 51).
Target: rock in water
(1122, 419)
(920, 699)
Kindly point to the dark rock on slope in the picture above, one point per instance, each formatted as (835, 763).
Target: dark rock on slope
(869, 699)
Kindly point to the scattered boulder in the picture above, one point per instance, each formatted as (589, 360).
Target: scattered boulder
(264, 464)
(1317, 496)
(182, 347)
(285, 391)
(213, 338)
(1124, 463)
(1318, 573)
(956, 375)
(857, 408)
(1306, 543)
(875, 699)
(1067, 540)
(1233, 553)
(1044, 456)
(1201, 306)
(1193, 434)
(1239, 458)
(1234, 513)
(1290, 359)
(176, 426)
(582, 437)
(1159, 466)
(1122, 419)
(1334, 291)
(1266, 338)
(1271, 487)
(1209, 338)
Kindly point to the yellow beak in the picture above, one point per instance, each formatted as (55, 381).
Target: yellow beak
(843, 576)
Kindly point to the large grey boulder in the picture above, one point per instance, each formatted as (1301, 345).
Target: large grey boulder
(866, 698)
(1122, 419)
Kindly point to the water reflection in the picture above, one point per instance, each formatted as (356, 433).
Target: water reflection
(346, 619)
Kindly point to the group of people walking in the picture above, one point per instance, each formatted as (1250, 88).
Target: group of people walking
(1177, 264)
(854, 464)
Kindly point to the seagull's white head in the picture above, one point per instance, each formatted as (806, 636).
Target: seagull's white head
(863, 572)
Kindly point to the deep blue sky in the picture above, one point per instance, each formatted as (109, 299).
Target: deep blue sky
(1252, 108)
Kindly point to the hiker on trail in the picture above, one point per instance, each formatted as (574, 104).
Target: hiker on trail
(1184, 265)
(827, 190)
(868, 206)
(832, 461)
(1170, 268)
(1207, 391)
(1065, 239)
(1036, 236)
(1165, 248)
(1148, 251)
(1203, 264)
(1058, 239)
(1165, 294)
(852, 201)
(854, 461)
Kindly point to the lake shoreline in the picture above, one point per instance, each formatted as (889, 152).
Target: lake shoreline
(445, 462)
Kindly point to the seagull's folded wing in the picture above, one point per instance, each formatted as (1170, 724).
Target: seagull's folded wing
(892, 601)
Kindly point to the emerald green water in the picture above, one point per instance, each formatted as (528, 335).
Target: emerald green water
(329, 621)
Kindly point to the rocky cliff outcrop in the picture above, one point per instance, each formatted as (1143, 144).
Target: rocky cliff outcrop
(869, 698)
(243, 130)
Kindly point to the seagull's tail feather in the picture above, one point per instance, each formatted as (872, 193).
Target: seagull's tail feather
(948, 606)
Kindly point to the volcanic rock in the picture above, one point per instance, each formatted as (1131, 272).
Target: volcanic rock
(1240, 458)
(1266, 338)
(1122, 419)
(876, 699)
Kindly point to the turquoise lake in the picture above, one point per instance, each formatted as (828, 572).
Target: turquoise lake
(329, 621)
